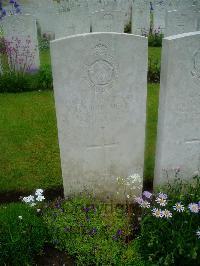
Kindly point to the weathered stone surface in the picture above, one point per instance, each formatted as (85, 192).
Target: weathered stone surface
(108, 21)
(20, 32)
(178, 143)
(73, 22)
(141, 17)
(182, 21)
(100, 84)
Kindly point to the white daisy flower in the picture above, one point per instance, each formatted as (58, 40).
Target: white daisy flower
(198, 234)
(40, 198)
(193, 207)
(157, 213)
(145, 204)
(161, 201)
(167, 214)
(178, 207)
(39, 192)
(20, 217)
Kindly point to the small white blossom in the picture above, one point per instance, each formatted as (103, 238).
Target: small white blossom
(33, 204)
(128, 196)
(39, 192)
(161, 201)
(193, 207)
(167, 214)
(20, 217)
(157, 213)
(198, 234)
(145, 204)
(178, 207)
(28, 199)
(40, 198)
(38, 210)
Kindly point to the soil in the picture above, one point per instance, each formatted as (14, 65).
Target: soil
(14, 196)
(54, 257)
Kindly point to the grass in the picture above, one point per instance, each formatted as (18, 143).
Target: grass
(29, 152)
(155, 54)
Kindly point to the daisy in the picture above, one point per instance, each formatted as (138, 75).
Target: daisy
(198, 233)
(193, 207)
(178, 207)
(157, 213)
(167, 214)
(145, 204)
(161, 201)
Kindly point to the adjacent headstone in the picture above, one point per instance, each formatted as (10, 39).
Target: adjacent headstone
(20, 34)
(100, 85)
(110, 21)
(73, 22)
(160, 7)
(141, 17)
(181, 21)
(178, 142)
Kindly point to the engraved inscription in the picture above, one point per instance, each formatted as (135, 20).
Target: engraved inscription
(101, 72)
(101, 68)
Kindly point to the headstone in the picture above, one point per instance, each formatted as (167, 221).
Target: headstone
(20, 34)
(141, 17)
(73, 22)
(178, 141)
(100, 90)
(110, 21)
(160, 7)
(181, 21)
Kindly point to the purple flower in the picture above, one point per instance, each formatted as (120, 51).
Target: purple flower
(119, 232)
(147, 194)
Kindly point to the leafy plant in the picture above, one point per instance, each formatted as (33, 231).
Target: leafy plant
(154, 71)
(22, 234)
(170, 233)
(94, 233)
(155, 38)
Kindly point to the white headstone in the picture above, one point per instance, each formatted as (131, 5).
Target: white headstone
(160, 8)
(20, 33)
(73, 22)
(110, 21)
(178, 143)
(141, 17)
(100, 85)
(181, 21)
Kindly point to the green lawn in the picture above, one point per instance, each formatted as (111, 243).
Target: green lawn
(29, 153)
(155, 54)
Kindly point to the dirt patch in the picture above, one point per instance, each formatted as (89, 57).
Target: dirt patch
(14, 196)
(54, 257)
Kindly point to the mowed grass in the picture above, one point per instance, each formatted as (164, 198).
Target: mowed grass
(29, 152)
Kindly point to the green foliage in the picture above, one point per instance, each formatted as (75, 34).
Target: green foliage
(173, 241)
(44, 43)
(127, 28)
(155, 39)
(92, 232)
(20, 239)
(21, 82)
(154, 71)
